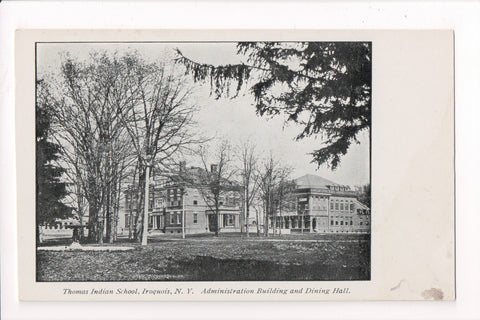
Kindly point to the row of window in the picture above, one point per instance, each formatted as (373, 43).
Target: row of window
(55, 226)
(362, 211)
(341, 205)
(345, 223)
(175, 218)
(338, 188)
(336, 222)
(174, 191)
(321, 203)
(230, 202)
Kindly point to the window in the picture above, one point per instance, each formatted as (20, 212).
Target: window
(178, 219)
(336, 223)
(195, 218)
(341, 223)
(331, 205)
(341, 206)
(195, 202)
(336, 205)
(351, 222)
(228, 220)
(172, 218)
(331, 223)
(351, 207)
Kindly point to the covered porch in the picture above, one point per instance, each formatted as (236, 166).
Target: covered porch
(299, 223)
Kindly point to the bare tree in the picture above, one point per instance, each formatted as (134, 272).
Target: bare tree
(159, 123)
(215, 181)
(271, 174)
(89, 129)
(257, 204)
(249, 178)
(283, 198)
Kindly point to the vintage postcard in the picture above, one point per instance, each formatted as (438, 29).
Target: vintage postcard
(234, 165)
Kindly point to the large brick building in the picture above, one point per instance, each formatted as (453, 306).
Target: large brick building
(172, 200)
(316, 204)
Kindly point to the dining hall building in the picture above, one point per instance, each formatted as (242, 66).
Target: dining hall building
(321, 206)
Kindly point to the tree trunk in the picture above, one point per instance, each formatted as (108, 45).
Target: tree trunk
(274, 217)
(130, 194)
(80, 207)
(247, 216)
(217, 222)
(117, 208)
(100, 227)
(92, 222)
(109, 221)
(139, 199)
(265, 221)
(100, 232)
(145, 210)
(257, 217)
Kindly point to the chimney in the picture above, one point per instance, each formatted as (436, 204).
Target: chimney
(213, 167)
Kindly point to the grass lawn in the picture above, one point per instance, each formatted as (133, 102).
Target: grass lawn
(230, 257)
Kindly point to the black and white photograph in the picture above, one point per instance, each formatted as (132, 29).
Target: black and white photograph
(203, 161)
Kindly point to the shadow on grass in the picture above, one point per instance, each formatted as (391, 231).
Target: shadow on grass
(213, 269)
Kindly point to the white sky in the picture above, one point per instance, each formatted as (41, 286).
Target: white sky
(233, 119)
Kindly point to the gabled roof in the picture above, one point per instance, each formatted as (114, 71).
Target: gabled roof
(313, 181)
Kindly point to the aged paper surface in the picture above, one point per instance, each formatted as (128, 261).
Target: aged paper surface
(412, 174)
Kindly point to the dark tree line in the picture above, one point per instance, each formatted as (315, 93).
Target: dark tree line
(50, 189)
